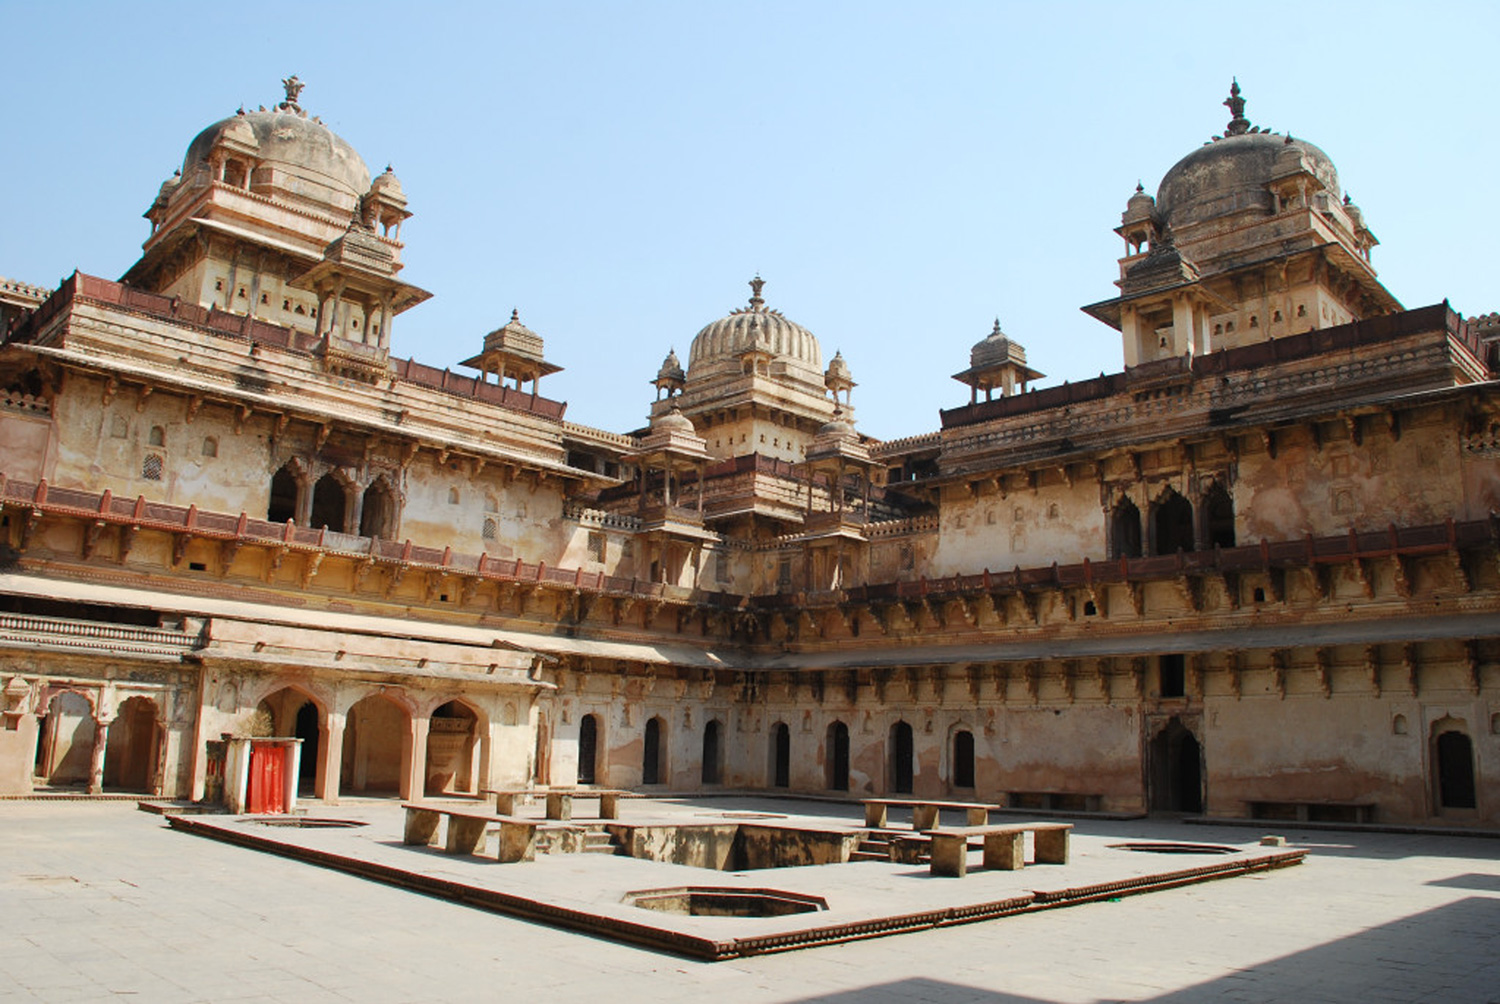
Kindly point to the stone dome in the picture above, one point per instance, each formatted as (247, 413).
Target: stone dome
(754, 327)
(671, 368)
(673, 421)
(839, 427)
(1232, 172)
(389, 185)
(285, 137)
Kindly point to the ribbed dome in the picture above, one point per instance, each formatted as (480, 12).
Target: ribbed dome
(754, 327)
(285, 137)
(1232, 172)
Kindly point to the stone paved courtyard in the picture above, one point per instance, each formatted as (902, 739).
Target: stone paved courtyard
(103, 901)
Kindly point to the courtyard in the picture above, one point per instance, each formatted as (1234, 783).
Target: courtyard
(104, 901)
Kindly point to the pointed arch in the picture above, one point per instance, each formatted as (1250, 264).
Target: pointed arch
(330, 504)
(378, 510)
(1125, 530)
(1172, 524)
(1218, 516)
(654, 752)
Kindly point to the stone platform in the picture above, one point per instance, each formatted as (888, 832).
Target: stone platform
(591, 892)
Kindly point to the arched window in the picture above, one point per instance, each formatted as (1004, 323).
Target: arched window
(1218, 516)
(901, 758)
(329, 504)
(588, 749)
(963, 759)
(1172, 522)
(781, 756)
(1125, 531)
(837, 752)
(377, 517)
(711, 750)
(283, 504)
(652, 770)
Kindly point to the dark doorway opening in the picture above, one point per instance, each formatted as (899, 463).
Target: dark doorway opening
(283, 504)
(306, 729)
(711, 752)
(1125, 531)
(651, 770)
(838, 756)
(1173, 525)
(963, 759)
(1218, 516)
(377, 516)
(901, 758)
(588, 748)
(1176, 770)
(329, 504)
(781, 756)
(1172, 670)
(1455, 769)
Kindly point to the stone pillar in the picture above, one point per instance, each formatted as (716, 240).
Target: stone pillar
(330, 759)
(1182, 325)
(414, 756)
(96, 757)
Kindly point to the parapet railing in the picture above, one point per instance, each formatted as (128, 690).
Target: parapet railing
(102, 508)
(244, 327)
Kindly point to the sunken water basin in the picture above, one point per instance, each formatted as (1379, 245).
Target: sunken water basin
(725, 901)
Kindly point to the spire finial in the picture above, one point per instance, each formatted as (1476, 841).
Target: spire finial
(515, 315)
(1239, 125)
(1140, 189)
(755, 288)
(997, 327)
(293, 90)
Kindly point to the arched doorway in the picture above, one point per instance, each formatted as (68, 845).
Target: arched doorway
(1218, 516)
(1172, 525)
(377, 515)
(1175, 770)
(375, 747)
(130, 747)
(963, 759)
(588, 750)
(712, 748)
(452, 747)
(307, 727)
(1455, 768)
(65, 741)
(330, 504)
(781, 756)
(653, 754)
(1125, 531)
(901, 758)
(838, 756)
(284, 492)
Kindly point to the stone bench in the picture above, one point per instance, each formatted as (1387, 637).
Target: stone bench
(466, 830)
(924, 811)
(1004, 846)
(560, 800)
(1313, 811)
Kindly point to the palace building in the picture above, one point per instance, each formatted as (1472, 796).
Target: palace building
(1254, 572)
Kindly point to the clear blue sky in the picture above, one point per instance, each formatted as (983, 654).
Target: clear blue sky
(900, 174)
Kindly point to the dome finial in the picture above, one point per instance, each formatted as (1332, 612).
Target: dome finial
(1239, 125)
(293, 91)
(755, 288)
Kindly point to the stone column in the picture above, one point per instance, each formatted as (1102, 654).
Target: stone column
(96, 757)
(414, 774)
(330, 759)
